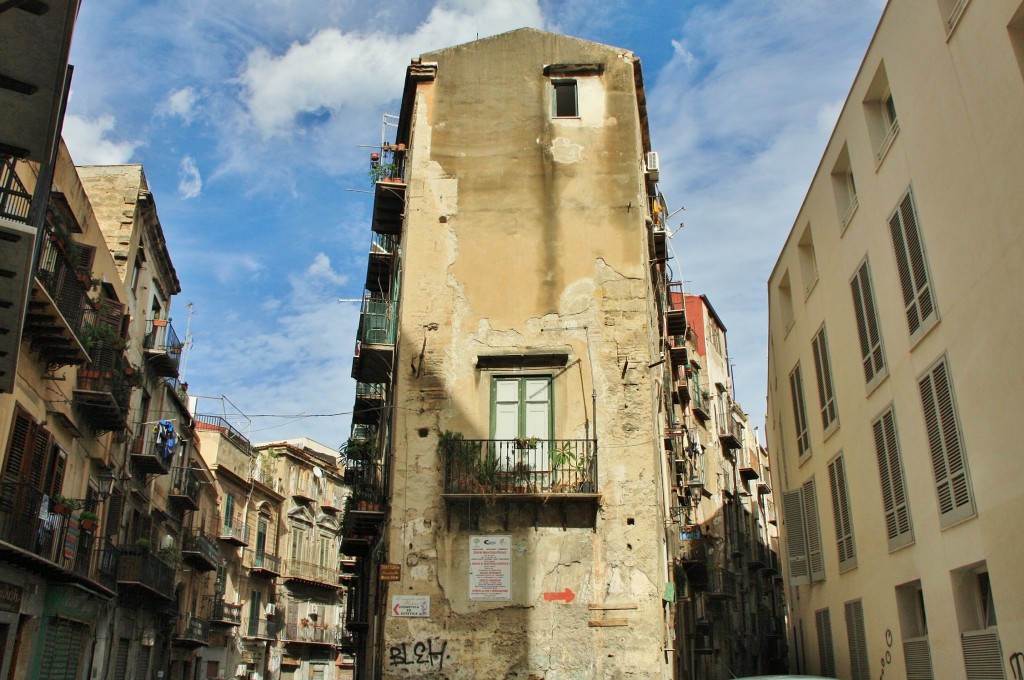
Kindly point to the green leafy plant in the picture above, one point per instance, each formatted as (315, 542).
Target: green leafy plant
(88, 516)
(380, 171)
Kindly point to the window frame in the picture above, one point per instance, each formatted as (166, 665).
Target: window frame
(522, 403)
(800, 422)
(915, 278)
(869, 326)
(896, 508)
(560, 85)
(826, 387)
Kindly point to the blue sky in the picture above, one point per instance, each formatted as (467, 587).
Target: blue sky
(251, 120)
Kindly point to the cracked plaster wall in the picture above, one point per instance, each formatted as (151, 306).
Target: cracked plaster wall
(521, 238)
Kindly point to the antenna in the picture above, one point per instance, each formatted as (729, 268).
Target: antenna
(186, 347)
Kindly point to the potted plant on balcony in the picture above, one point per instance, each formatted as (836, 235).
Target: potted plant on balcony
(524, 443)
(62, 505)
(143, 545)
(88, 520)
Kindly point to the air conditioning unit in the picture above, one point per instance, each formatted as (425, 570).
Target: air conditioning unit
(652, 165)
(271, 608)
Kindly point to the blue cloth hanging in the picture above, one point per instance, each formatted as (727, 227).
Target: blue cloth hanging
(166, 439)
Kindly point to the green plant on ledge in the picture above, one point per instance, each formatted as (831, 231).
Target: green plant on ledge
(382, 171)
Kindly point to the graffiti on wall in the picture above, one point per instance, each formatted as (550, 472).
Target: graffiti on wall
(887, 657)
(430, 652)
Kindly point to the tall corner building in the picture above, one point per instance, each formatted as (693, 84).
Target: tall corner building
(894, 363)
(506, 516)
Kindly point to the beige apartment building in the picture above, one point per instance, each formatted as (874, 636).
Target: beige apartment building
(894, 371)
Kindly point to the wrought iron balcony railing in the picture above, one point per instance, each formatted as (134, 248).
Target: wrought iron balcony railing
(192, 631)
(218, 424)
(235, 531)
(141, 569)
(261, 628)
(103, 389)
(33, 531)
(311, 571)
(377, 323)
(200, 551)
(162, 347)
(15, 200)
(520, 466)
(185, 487)
(262, 563)
(56, 312)
(151, 452)
(225, 613)
(312, 633)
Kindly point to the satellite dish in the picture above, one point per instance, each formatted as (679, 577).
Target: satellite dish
(317, 472)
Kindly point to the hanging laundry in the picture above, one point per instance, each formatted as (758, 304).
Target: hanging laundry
(166, 439)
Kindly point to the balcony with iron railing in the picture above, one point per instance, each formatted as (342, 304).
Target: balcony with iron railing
(312, 573)
(747, 464)
(380, 264)
(357, 608)
(200, 551)
(730, 432)
(234, 531)
(15, 200)
(39, 534)
(191, 632)
(375, 340)
(369, 403)
(388, 174)
(103, 389)
(53, 320)
(564, 469)
(675, 309)
(700, 402)
(303, 488)
(144, 573)
(312, 633)
(260, 629)
(162, 348)
(224, 613)
(185, 488)
(152, 451)
(212, 423)
(262, 563)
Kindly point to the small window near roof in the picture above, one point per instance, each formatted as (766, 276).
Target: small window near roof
(564, 100)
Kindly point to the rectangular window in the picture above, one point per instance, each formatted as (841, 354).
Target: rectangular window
(808, 262)
(845, 189)
(826, 657)
(841, 514)
(857, 640)
(521, 407)
(976, 617)
(563, 99)
(912, 266)
(823, 373)
(949, 460)
(803, 536)
(898, 528)
(298, 539)
(880, 110)
(229, 510)
(868, 330)
(796, 388)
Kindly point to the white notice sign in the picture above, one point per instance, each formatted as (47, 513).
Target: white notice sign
(490, 568)
(417, 606)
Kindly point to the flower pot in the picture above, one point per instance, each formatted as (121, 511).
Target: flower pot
(88, 524)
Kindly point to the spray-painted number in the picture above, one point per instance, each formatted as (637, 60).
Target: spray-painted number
(423, 653)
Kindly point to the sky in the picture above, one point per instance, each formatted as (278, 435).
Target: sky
(253, 121)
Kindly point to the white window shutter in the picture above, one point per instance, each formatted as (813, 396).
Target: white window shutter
(815, 558)
(796, 537)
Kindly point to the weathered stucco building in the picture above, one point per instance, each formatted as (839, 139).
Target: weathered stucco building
(894, 370)
(506, 414)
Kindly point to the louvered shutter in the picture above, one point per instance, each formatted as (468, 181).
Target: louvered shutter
(918, 655)
(114, 506)
(949, 462)
(229, 510)
(796, 537)
(815, 558)
(898, 528)
(910, 263)
(841, 514)
(121, 659)
(19, 444)
(86, 255)
(63, 647)
(857, 640)
(796, 389)
(36, 465)
(55, 483)
(983, 656)
(868, 333)
(823, 373)
(826, 656)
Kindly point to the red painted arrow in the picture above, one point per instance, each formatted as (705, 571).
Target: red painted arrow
(565, 596)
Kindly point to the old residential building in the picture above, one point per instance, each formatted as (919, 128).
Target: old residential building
(722, 533)
(894, 375)
(525, 454)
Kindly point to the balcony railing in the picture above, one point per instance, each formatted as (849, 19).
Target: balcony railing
(312, 572)
(34, 534)
(225, 613)
(357, 608)
(57, 308)
(15, 200)
(730, 432)
(162, 347)
(185, 488)
(263, 563)
(377, 325)
(151, 452)
(143, 570)
(103, 390)
(218, 424)
(369, 403)
(191, 631)
(389, 191)
(312, 633)
(512, 467)
(699, 402)
(261, 628)
(237, 532)
(200, 551)
(675, 309)
(379, 264)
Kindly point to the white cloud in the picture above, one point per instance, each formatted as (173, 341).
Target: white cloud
(181, 103)
(190, 182)
(332, 71)
(90, 144)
